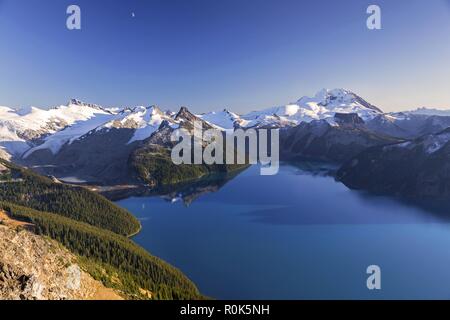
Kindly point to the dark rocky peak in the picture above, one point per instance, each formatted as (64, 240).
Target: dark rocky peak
(164, 124)
(185, 114)
(161, 136)
(84, 104)
(156, 109)
(348, 119)
(77, 102)
(187, 119)
(314, 124)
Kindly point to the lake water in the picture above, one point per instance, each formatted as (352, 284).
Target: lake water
(297, 236)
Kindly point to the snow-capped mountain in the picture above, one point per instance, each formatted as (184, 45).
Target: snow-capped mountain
(26, 131)
(225, 120)
(429, 112)
(409, 124)
(143, 120)
(21, 129)
(111, 146)
(323, 106)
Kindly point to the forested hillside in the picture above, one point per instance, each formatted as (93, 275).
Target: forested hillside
(31, 190)
(153, 165)
(95, 229)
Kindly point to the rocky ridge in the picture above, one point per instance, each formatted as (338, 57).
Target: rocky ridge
(36, 268)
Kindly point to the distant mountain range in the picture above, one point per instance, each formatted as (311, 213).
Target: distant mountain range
(107, 145)
(418, 168)
(27, 130)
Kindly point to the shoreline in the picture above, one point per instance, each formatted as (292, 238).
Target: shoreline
(137, 232)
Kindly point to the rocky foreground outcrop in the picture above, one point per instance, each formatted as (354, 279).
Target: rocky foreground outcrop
(36, 268)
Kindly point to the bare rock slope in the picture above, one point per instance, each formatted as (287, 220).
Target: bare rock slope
(36, 268)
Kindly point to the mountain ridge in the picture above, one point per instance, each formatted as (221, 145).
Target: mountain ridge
(26, 131)
(100, 145)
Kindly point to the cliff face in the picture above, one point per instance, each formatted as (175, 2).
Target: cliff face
(36, 268)
(418, 168)
(319, 140)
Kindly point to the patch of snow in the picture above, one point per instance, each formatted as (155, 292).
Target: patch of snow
(434, 143)
(404, 144)
(79, 128)
(430, 112)
(72, 180)
(224, 120)
(148, 121)
(10, 143)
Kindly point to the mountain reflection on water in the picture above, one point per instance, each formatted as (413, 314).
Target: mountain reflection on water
(192, 191)
(298, 234)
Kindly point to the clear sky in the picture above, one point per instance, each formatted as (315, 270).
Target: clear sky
(211, 54)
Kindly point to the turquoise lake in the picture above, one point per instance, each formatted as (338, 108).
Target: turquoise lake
(296, 235)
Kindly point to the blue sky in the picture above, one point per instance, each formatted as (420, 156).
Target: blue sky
(211, 54)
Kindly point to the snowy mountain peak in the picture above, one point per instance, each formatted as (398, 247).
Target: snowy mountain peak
(324, 96)
(80, 103)
(337, 98)
(141, 110)
(429, 112)
(224, 120)
(185, 114)
(339, 93)
(157, 110)
(323, 105)
(75, 102)
(35, 129)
